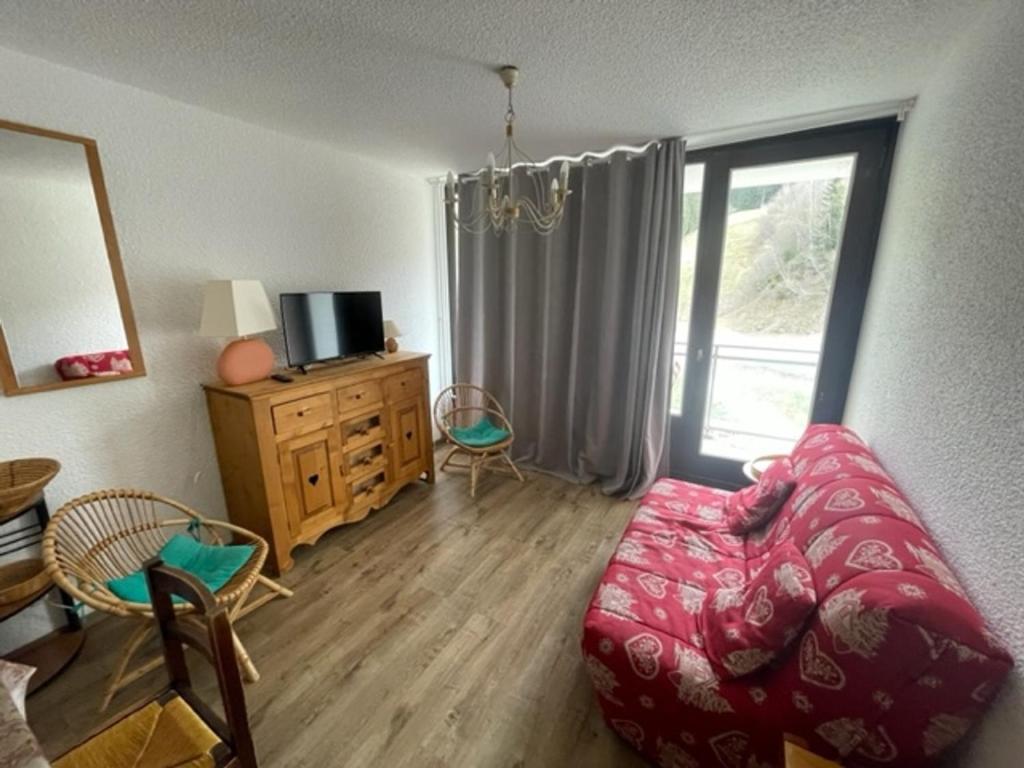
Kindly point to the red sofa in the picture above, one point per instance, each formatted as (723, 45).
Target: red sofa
(891, 668)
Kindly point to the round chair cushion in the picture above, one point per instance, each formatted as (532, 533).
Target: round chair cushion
(480, 435)
(214, 565)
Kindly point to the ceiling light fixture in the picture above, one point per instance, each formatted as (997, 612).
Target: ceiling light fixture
(501, 209)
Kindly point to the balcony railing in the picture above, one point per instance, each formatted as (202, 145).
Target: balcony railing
(781, 360)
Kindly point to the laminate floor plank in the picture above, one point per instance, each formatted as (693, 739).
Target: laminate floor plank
(440, 631)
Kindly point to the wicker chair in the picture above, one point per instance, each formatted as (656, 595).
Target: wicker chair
(109, 534)
(466, 405)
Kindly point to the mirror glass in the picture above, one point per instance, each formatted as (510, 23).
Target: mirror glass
(60, 313)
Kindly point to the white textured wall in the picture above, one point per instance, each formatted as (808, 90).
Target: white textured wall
(939, 385)
(197, 196)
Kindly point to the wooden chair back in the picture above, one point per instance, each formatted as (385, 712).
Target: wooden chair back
(215, 645)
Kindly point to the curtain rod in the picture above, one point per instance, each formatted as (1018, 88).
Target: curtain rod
(583, 157)
(702, 140)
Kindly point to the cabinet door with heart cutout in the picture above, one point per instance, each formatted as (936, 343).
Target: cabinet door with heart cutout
(314, 490)
(407, 436)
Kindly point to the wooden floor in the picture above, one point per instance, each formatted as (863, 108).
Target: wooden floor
(441, 631)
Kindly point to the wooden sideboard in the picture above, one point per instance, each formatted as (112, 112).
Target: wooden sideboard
(299, 458)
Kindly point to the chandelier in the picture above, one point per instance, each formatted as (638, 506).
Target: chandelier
(541, 204)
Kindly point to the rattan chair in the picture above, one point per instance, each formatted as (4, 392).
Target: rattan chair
(465, 405)
(112, 533)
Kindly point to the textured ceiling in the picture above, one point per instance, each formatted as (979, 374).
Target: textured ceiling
(412, 80)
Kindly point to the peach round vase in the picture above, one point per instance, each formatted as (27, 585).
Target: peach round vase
(244, 361)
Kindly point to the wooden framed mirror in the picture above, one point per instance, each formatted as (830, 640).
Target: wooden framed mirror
(65, 316)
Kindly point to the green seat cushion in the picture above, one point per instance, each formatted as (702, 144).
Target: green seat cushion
(214, 565)
(481, 434)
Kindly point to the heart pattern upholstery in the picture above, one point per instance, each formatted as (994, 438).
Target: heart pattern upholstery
(817, 667)
(757, 622)
(890, 665)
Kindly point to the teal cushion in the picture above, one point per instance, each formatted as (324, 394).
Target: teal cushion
(481, 434)
(214, 565)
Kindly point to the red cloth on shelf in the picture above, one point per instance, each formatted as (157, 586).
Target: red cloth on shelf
(113, 363)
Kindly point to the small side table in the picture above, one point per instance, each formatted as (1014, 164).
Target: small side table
(799, 757)
(51, 653)
(753, 468)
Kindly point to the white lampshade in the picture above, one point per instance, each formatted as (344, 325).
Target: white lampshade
(235, 308)
(391, 330)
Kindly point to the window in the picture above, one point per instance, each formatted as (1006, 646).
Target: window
(693, 189)
(778, 242)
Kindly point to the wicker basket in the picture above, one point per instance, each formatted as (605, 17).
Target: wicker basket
(21, 579)
(21, 481)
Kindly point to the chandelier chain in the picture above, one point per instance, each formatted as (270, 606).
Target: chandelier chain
(510, 113)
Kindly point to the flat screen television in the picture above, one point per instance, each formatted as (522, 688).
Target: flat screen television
(324, 326)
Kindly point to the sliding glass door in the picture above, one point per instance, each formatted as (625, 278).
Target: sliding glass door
(778, 242)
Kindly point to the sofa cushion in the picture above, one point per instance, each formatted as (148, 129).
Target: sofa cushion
(744, 628)
(838, 465)
(676, 501)
(652, 600)
(820, 440)
(696, 557)
(751, 507)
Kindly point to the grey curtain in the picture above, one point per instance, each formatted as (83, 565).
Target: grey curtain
(573, 332)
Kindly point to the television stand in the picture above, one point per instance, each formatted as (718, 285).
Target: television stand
(322, 451)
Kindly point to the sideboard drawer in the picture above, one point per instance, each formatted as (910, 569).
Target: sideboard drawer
(358, 396)
(365, 461)
(366, 491)
(361, 432)
(302, 415)
(405, 384)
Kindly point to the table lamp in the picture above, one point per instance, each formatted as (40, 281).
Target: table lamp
(391, 332)
(237, 309)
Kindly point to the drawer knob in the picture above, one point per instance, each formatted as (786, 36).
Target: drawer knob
(408, 435)
(359, 396)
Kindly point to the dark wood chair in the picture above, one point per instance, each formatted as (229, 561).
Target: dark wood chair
(175, 727)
